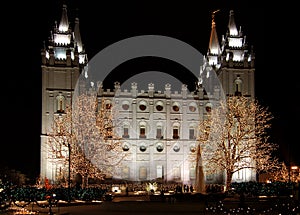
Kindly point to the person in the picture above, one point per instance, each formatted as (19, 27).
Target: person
(191, 188)
(242, 199)
(127, 191)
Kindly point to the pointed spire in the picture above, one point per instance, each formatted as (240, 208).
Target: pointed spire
(77, 36)
(64, 23)
(214, 46)
(231, 25)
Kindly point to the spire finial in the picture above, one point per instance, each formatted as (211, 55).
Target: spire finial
(213, 16)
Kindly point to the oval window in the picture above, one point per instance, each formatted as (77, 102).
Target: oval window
(159, 147)
(142, 107)
(175, 108)
(108, 106)
(192, 108)
(176, 148)
(159, 107)
(125, 147)
(125, 106)
(193, 148)
(143, 148)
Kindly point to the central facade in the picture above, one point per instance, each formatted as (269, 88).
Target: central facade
(158, 128)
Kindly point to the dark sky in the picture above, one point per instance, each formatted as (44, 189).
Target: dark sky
(105, 22)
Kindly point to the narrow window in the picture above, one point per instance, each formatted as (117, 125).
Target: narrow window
(143, 173)
(142, 131)
(238, 86)
(192, 134)
(125, 132)
(60, 104)
(175, 133)
(159, 132)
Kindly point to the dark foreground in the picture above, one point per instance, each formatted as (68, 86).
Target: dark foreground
(143, 205)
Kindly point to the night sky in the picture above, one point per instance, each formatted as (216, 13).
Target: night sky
(105, 22)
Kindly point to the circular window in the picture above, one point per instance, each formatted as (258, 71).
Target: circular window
(192, 148)
(159, 107)
(208, 107)
(125, 106)
(175, 108)
(176, 148)
(159, 147)
(108, 106)
(192, 108)
(142, 107)
(125, 147)
(143, 148)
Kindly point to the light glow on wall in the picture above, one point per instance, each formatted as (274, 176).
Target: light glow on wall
(63, 39)
(235, 42)
(60, 53)
(213, 60)
(63, 28)
(81, 59)
(233, 31)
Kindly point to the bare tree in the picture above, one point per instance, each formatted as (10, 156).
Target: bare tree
(235, 137)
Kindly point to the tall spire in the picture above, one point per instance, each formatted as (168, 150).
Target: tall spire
(231, 25)
(214, 46)
(65, 45)
(214, 49)
(64, 23)
(77, 36)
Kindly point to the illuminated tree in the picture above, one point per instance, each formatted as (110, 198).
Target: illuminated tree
(281, 173)
(234, 136)
(80, 141)
(59, 144)
(107, 152)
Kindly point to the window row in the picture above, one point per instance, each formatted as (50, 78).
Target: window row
(159, 132)
(143, 172)
(159, 106)
(159, 147)
(61, 105)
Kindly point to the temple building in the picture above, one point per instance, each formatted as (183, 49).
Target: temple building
(158, 128)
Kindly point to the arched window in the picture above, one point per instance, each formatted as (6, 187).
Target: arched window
(142, 173)
(108, 104)
(159, 134)
(192, 107)
(142, 130)
(60, 101)
(192, 135)
(176, 131)
(238, 86)
(192, 132)
(175, 107)
(143, 105)
(208, 107)
(125, 173)
(125, 131)
(176, 173)
(193, 172)
(159, 106)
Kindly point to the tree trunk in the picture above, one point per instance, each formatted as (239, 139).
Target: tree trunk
(85, 180)
(228, 180)
(200, 182)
